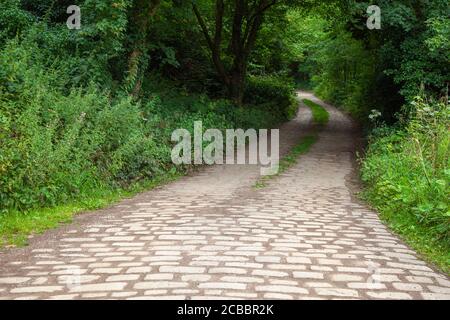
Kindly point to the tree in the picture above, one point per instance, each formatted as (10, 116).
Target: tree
(246, 18)
(141, 13)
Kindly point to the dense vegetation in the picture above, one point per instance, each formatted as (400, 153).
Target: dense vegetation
(90, 111)
(407, 173)
(395, 81)
(78, 112)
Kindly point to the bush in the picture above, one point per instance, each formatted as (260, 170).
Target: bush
(59, 144)
(345, 79)
(272, 93)
(406, 171)
(13, 20)
(66, 129)
(55, 147)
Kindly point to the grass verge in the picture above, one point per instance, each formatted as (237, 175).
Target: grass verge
(320, 118)
(406, 177)
(320, 115)
(16, 227)
(417, 236)
(289, 160)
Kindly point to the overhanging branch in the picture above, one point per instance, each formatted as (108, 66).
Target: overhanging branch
(214, 46)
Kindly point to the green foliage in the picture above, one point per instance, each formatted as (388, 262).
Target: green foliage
(361, 69)
(13, 20)
(320, 115)
(68, 128)
(272, 93)
(416, 47)
(16, 226)
(439, 33)
(58, 145)
(407, 176)
(345, 78)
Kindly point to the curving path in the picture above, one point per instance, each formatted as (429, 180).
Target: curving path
(212, 235)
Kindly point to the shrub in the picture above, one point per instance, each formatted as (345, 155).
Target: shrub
(13, 20)
(406, 171)
(272, 93)
(59, 144)
(345, 79)
(55, 147)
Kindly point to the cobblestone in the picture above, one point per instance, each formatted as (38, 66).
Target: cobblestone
(212, 236)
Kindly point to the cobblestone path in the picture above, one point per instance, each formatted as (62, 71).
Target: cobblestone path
(213, 236)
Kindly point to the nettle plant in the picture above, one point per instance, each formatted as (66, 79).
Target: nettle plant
(428, 130)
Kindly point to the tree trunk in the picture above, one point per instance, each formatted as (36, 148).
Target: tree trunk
(245, 24)
(215, 43)
(236, 87)
(133, 81)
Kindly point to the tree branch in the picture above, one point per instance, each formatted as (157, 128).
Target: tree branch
(258, 11)
(220, 8)
(263, 6)
(203, 26)
(250, 39)
(254, 23)
(238, 18)
(214, 46)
